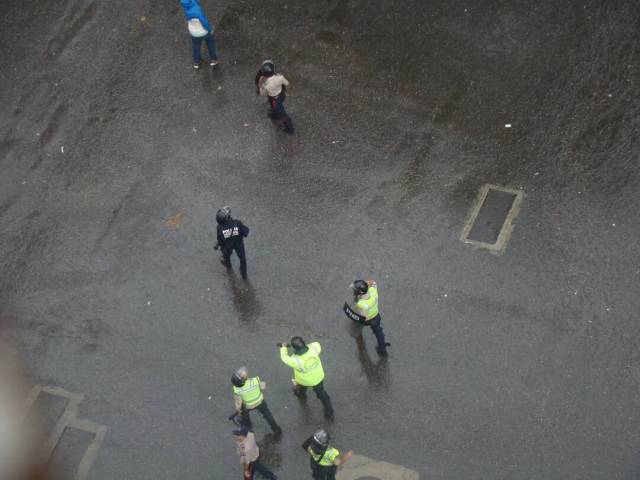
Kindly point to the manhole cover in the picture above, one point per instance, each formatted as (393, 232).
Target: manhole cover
(491, 219)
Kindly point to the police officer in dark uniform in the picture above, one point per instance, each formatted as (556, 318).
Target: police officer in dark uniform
(231, 235)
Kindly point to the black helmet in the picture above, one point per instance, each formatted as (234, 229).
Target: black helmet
(268, 68)
(298, 345)
(320, 441)
(239, 377)
(224, 214)
(360, 287)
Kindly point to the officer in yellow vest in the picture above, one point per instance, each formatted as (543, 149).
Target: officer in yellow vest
(308, 371)
(247, 396)
(324, 459)
(366, 298)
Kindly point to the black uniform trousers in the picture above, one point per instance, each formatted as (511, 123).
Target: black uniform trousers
(263, 408)
(321, 393)
(239, 248)
(321, 472)
(376, 325)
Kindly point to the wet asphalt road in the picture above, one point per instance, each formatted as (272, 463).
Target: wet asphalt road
(520, 366)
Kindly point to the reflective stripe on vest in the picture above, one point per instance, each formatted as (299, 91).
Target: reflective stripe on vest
(328, 459)
(308, 367)
(250, 392)
(306, 363)
(369, 305)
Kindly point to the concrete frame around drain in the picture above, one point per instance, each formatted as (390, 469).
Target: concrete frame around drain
(361, 466)
(507, 226)
(70, 420)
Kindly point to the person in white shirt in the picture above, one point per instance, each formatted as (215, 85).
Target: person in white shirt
(250, 454)
(273, 86)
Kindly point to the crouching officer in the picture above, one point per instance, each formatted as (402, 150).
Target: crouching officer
(366, 298)
(247, 396)
(274, 85)
(324, 459)
(308, 371)
(231, 235)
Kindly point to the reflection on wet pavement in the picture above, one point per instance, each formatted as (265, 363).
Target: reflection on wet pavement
(245, 301)
(377, 373)
(270, 451)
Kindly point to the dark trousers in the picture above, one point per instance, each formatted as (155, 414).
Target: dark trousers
(277, 105)
(322, 395)
(257, 467)
(263, 408)
(197, 47)
(376, 325)
(321, 472)
(279, 113)
(239, 248)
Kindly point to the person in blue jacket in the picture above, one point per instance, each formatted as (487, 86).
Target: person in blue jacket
(200, 29)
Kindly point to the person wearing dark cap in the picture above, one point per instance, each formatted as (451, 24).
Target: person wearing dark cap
(247, 396)
(274, 86)
(366, 298)
(249, 453)
(231, 234)
(308, 371)
(323, 458)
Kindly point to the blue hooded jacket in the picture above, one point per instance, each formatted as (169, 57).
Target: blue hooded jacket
(192, 9)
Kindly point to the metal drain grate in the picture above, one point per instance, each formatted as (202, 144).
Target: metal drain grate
(491, 220)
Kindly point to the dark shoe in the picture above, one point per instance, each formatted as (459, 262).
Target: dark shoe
(383, 352)
(226, 263)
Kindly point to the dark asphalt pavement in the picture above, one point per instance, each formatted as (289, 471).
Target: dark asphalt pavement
(519, 366)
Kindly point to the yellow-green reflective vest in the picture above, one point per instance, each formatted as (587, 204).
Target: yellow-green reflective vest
(327, 460)
(250, 392)
(369, 305)
(308, 367)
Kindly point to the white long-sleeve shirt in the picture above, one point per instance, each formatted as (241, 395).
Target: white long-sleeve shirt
(272, 86)
(248, 449)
